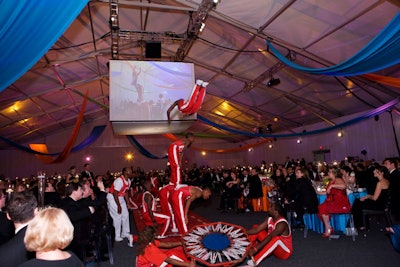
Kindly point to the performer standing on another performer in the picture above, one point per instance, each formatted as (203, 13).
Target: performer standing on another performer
(193, 104)
(272, 236)
(181, 198)
(175, 155)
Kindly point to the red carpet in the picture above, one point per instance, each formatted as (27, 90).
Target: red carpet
(194, 220)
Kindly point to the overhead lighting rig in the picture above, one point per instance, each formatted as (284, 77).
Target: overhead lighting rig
(140, 36)
(196, 25)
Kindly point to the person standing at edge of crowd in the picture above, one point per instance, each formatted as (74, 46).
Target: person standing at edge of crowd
(117, 200)
(21, 209)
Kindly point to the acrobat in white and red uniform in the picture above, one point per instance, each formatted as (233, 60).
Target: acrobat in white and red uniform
(181, 198)
(166, 207)
(160, 219)
(120, 218)
(193, 104)
(195, 100)
(175, 151)
(279, 246)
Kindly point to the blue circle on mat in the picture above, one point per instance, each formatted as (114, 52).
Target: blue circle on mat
(216, 241)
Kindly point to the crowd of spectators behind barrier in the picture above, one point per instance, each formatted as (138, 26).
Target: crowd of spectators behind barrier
(238, 187)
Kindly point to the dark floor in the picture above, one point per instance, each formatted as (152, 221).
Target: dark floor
(373, 250)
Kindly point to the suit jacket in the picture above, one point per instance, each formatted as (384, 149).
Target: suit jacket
(84, 174)
(6, 228)
(14, 253)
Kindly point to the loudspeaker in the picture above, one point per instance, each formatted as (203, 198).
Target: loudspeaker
(153, 50)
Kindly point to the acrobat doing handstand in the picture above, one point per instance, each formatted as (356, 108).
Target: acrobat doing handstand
(193, 104)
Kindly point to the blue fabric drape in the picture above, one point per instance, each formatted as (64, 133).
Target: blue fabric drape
(94, 135)
(141, 149)
(381, 52)
(365, 116)
(28, 29)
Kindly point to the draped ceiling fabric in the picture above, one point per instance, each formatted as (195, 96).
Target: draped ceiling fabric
(380, 53)
(392, 81)
(230, 53)
(35, 26)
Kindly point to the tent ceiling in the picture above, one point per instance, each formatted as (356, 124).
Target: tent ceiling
(231, 53)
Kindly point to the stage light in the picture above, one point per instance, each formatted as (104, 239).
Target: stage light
(203, 25)
(268, 128)
(340, 134)
(298, 141)
(276, 119)
(273, 82)
(203, 153)
(129, 156)
(270, 146)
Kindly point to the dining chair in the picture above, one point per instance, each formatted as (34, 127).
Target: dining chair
(350, 230)
(384, 214)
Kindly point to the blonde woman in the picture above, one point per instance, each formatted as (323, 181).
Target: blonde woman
(48, 234)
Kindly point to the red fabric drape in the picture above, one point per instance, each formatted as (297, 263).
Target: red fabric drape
(71, 141)
(383, 79)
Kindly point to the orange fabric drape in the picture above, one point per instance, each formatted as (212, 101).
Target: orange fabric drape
(43, 149)
(383, 79)
(229, 150)
(69, 145)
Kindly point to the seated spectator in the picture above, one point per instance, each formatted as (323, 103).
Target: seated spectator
(377, 201)
(48, 234)
(151, 252)
(303, 198)
(271, 237)
(234, 191)
(21, 209)
(336, 200)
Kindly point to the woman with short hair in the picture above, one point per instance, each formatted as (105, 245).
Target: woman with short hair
(48, 234)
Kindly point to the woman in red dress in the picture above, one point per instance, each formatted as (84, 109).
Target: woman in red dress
(336, 200)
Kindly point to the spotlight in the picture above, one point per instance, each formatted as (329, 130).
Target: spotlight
(298, 141)
(273, 82)
(340, 134)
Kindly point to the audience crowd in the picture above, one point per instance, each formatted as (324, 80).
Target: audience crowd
(97, 205)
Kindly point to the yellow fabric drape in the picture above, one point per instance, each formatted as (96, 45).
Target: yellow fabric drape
(383, 79)
(71, 141)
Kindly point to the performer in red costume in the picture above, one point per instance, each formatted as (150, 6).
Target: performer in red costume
(149, 212)
(152, 253)
(175, 151)
(193, 104)
(117, 200)
(166, 207)
(272, 236)
(181, 198)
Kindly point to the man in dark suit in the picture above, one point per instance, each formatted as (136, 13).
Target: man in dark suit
(80, 216)
(21, 209)
(394, 179)
(87, 173)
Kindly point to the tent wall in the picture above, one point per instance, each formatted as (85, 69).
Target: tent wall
(108, 152)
